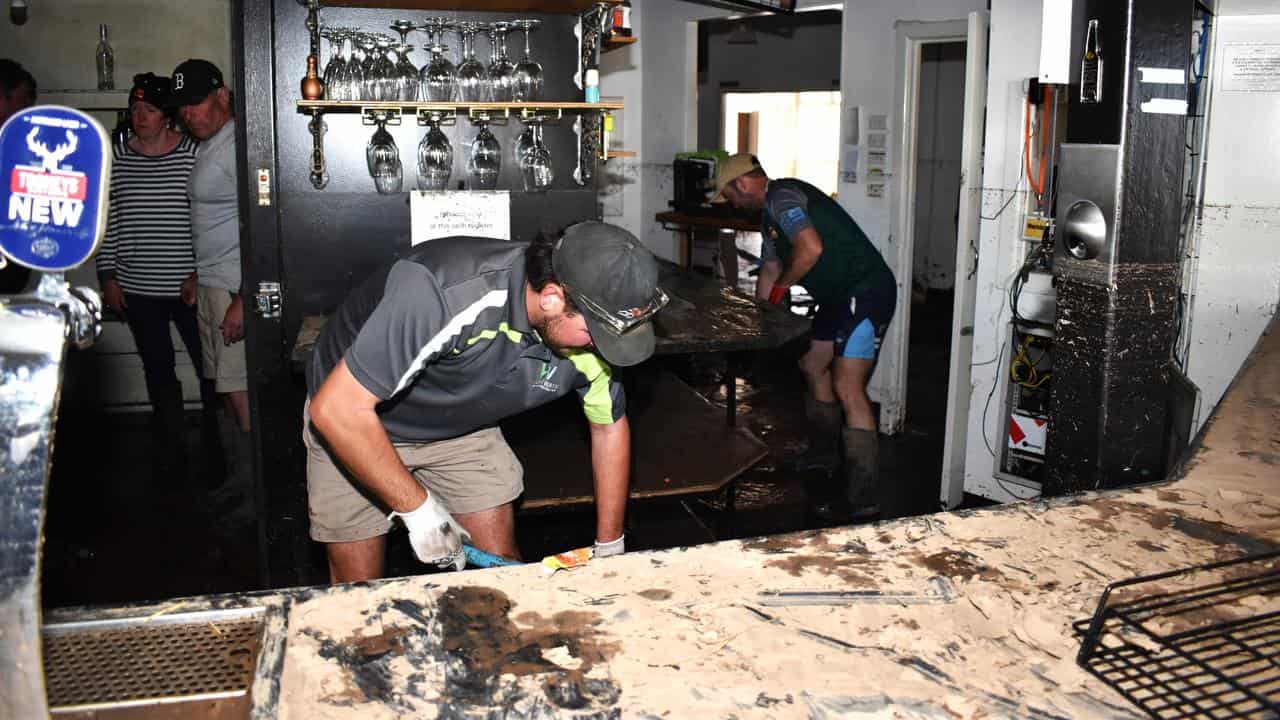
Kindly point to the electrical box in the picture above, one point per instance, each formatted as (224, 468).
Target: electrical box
(1055, 42)
(1028, 377)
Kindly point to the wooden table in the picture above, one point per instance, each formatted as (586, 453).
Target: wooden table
(679, 444)
(689, 224)
(703, 316)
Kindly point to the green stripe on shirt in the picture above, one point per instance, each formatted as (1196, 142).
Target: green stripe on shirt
(597, 403)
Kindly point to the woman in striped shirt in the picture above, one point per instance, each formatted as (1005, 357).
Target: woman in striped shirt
(146, 254)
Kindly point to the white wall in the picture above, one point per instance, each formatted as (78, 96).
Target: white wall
(1237, 279)
(1014, 56)
(58, 41)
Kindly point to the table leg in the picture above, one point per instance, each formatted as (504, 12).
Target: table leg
(730, 389)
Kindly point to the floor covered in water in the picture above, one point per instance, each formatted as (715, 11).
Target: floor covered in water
(114, 535)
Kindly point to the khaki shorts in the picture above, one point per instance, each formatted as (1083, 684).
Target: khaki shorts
(467, 474)
(224, 364)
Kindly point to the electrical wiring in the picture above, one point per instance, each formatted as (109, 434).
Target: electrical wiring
(1023, 169)
(1012, 194)
(1033, 379)
(995, 383)
(1046, 100)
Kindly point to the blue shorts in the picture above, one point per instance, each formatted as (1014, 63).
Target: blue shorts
(857, 325)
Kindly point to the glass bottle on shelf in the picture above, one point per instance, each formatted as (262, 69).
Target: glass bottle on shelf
(106, 59)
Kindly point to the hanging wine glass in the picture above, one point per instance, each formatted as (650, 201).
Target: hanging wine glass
(403, 27)
(524, 142)
(501, 68)
(485, 160)
(336, 64)
(385, 70)
(367, 46)
(406, 74)
(527, 76)
(435, 158)
(350, 77)
(439, 78)
(471, 72)
(535, 164)
(383, 158)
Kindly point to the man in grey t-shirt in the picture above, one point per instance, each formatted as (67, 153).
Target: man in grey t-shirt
(204, 106)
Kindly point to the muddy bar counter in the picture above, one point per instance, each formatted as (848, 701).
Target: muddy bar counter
(968, 614)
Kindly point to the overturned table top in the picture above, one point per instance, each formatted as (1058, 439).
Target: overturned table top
(703, 316)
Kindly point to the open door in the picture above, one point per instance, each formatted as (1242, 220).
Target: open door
(958, 380)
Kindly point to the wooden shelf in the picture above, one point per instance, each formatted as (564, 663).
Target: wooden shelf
(617, 42)
(505, 6)
(458, 107)
(620, 153)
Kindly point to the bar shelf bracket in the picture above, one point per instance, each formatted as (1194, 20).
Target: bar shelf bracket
(319, 173)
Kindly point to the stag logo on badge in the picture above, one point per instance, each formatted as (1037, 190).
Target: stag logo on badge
(48, 194)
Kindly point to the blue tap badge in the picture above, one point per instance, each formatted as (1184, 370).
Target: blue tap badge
(56, 166)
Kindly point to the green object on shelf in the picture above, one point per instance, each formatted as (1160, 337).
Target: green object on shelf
(715, 156)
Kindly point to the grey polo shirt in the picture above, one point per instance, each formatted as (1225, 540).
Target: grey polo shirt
(442, 337)
(215, 211)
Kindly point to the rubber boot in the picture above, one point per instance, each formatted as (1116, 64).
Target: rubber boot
(169, 452)
(862, 473)
(826, 419)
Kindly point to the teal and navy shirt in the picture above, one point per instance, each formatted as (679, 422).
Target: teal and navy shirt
(442, 337)
(849, 264)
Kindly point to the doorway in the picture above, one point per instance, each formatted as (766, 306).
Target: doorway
(935, 213)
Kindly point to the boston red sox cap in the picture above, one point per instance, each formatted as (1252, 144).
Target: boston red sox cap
(193, 80)
(614, 280)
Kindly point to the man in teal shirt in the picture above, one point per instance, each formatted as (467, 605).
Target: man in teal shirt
(810, 240)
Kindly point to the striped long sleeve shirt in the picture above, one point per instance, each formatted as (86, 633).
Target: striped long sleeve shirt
(147, 246)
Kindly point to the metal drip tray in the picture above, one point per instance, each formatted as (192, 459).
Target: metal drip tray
(183, 665)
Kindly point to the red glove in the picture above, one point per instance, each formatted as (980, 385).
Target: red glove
(778, 294)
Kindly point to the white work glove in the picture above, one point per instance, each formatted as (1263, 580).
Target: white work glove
(611, 548)
(435, 536)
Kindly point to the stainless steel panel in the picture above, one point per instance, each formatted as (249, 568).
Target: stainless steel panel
(1088, 191)
(137, 662)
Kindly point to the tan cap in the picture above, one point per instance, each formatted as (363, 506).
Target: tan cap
(731, 169)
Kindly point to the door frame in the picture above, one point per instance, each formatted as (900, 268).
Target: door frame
(960, 374)
(912, 37)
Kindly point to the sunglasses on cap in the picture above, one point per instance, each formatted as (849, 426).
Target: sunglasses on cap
(623, 320)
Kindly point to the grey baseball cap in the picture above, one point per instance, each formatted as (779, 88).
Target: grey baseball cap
(613, 279)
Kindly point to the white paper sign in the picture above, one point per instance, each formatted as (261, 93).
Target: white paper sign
(1251, 67)
(459, 212)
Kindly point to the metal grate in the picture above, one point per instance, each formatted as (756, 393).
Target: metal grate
(100, 664)
(1202, 642)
